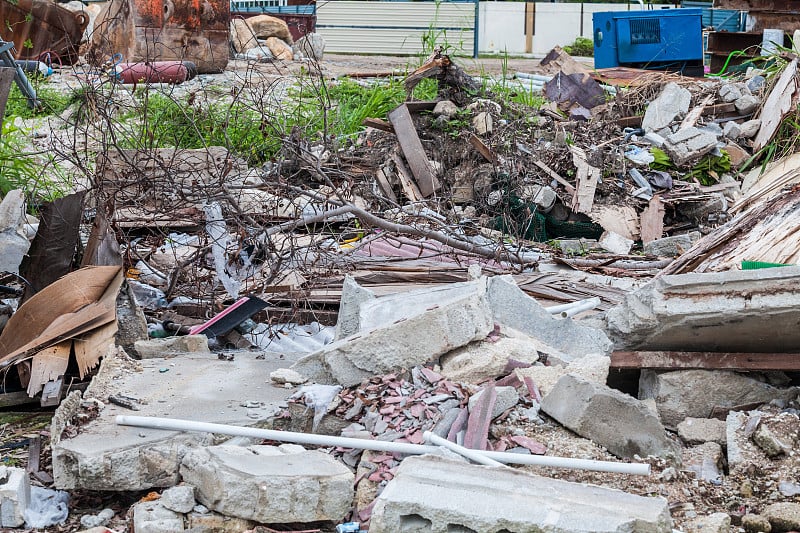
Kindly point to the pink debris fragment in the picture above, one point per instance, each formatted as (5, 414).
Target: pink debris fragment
(417, 410)
(510, 380)
(480, 418)
(533, 389)
(430, 375)
(388, 410)
(535, 447)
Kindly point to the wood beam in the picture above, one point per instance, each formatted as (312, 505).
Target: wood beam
(705, 360)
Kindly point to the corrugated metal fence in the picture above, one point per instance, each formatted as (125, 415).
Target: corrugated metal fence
(361, 27)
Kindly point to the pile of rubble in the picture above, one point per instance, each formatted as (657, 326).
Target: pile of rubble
(674, 405)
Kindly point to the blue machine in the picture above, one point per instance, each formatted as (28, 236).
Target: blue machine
(665, 39)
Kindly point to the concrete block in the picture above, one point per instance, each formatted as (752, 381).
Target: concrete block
(419, 334)
(179, 499)
(755, 523)
(733, 311)
(701, 430)
(591, 367)
(673, 102)
(105, 456)
(15, 493)
(353, 295)
(610, 418)
(694, 393)
(152, 517)
(671, 246)
(152, 348)
(732, 130)
(689, 144)
(615, 243)
(479, 361)
(747, 104)
(265, 484)
(436, 495)
(216, 523)
(512, 308)
(507, 397)
(750, 128)
(729, 92)
(713, 523)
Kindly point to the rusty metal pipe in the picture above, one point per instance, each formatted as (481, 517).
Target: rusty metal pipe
(172, 72)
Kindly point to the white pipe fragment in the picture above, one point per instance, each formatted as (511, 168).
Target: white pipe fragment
(585, 306)
(536, 77)
(473, 455)
(171, 424)
(558, 309)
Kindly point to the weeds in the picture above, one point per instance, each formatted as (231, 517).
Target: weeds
(582, 47)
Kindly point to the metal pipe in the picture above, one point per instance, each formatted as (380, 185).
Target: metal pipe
(473, 455)
(558, 309)
(170, 424)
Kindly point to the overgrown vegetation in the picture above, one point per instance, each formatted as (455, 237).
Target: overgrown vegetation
(582, 47)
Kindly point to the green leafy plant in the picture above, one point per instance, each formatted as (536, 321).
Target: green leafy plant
(582, 46)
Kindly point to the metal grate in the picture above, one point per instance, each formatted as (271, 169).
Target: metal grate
(645, 31)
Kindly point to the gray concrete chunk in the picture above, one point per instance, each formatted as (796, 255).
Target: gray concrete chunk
(701, 430)
(673, 102)
(179, 499)
(431, 494)
(733, 311)
(265, 484)
(15, 493)
(353, 295)
(419, 335)
(610, 418)
(694, 393)
(153, 517)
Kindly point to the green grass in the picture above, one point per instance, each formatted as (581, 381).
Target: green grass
(53, 101)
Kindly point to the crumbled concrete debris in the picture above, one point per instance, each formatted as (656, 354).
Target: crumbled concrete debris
(783, 517)
(179, 499)
(732, 130)
(615, 243)
(715, 523)
(153, 348)
(750, 128)
(747, 104)
(767, 441)
(153, 517)
(100, 519)
(434, 494)
(483, 360)
(729, 92)
(695, 393)
(266, 484)
(287, 375)
(673, 102)
(706, 461)
(483, 123)
(701, 430)
(15, 493)
(216, 523)
(591, 367)
(608, 417)
(671, 246)
(13, 239)
(754, 523)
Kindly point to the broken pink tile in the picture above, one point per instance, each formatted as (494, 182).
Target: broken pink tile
(479, 420)
(535, 447)
(533, 389)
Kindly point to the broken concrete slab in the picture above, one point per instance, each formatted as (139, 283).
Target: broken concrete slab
(201, 387)
(689, 144)
(701, 430)
(420, 334)
(695, 393)
(591, 367)
(270, 484)
(483, 360)
(784, 516)
(512, 308)
(15, 493)
(610, 418)
(733, 311)
(154, 348)
(434, 494)
(713, 523)
(179, 499)
(672, 246)
(750, 128)
(348, 321)
(672, 103)
(216, 523)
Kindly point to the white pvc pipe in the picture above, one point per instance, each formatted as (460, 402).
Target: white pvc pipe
(473, 455)
(171, 424)
(558, 309)
(537, 77)
(585, 306)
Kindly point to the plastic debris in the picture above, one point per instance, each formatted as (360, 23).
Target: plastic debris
(47, 508)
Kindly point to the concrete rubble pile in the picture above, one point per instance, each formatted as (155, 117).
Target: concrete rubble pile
(466, 317)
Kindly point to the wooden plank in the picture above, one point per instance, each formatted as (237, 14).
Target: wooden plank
(383, 182)
(409, 187)
(34, 453)
(90, 347)
(422, 105)
(587, 178)
(481, 147)
(706, 360)
(692, 116)
(777, 106)
(556, 176)
(652, 220)
(378, 124)
(11, 399)
(413, 151)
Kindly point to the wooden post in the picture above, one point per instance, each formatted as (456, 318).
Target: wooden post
(530, 21)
